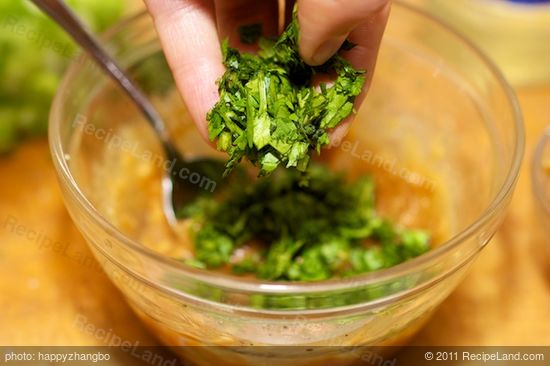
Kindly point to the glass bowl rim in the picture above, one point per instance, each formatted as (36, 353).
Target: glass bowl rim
(274, 287)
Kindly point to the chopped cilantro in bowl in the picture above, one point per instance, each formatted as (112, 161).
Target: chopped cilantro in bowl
(301, 224)
(325, 229)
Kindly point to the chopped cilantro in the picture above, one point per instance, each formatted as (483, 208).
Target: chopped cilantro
(308, 233)
(250, 33)
(270, 112)
(247, 265)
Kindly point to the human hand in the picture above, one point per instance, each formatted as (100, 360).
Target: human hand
(190, 32)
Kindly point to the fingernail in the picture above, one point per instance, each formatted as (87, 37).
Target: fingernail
(326, 50)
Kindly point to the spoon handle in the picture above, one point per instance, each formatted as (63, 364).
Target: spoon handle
(62, 15)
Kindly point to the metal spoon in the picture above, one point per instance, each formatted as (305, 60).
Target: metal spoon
(177, 187)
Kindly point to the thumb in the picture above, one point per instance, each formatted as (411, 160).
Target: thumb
(325, 24)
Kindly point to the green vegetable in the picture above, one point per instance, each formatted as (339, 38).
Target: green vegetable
(270, 111)
(308, 233)
(34, 53)
(251, 33)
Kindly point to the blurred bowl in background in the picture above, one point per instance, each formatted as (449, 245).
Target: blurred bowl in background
(540, 175)
(515, 34)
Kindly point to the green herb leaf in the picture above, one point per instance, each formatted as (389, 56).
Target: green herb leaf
(269, 111)
(250, 33)
(308, 233)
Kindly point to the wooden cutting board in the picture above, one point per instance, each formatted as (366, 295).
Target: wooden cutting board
(49, 284)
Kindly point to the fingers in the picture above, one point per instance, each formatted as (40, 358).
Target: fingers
(188, 30)
(325, 24)
(188, 33)
(232, 14)
(367, 37)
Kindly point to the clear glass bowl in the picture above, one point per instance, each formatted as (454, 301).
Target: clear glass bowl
(540, 172)
(437, 108)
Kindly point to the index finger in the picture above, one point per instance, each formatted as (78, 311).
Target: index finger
(188, 34)
(362, 22)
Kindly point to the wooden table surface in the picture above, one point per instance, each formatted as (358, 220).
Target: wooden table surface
(48, 284)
